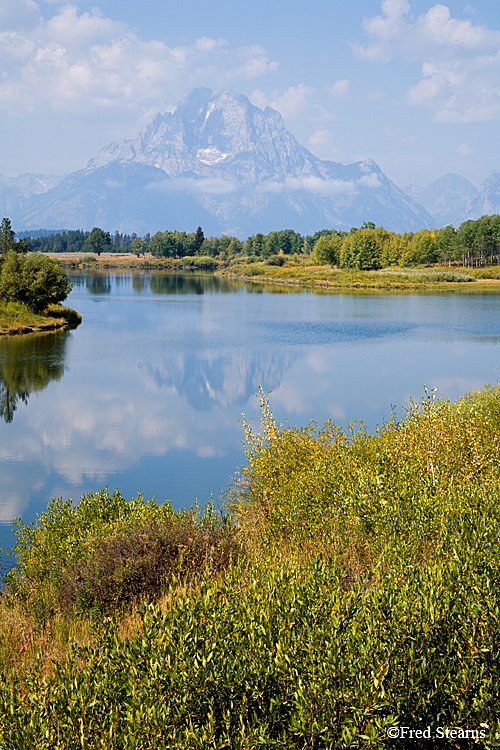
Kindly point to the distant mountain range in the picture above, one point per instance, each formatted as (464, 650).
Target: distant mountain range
(222, 163)
(452, 199)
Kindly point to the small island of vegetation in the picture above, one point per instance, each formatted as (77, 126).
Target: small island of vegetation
(32, 286)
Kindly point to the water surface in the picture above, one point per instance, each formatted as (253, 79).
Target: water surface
(146, 395)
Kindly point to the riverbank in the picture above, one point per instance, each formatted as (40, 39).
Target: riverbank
(353, 589)
(17, 318)
(129, 261)
(303, 275)
(297, 271)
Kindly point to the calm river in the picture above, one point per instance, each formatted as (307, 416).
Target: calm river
(146, 395)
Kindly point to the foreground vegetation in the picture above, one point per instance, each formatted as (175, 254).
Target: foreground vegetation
(354, 585)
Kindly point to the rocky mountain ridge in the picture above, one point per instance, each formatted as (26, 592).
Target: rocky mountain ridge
(233, 168)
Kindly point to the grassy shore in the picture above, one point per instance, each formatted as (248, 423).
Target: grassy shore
(354, 586)
(298, 272)
(16, 318)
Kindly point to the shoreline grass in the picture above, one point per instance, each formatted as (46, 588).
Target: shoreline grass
(302, 274)
(17, 318)
(130, 261)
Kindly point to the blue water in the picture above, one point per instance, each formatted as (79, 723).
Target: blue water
(146, 395)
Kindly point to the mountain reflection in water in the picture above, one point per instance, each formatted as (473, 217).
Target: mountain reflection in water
(221, 380)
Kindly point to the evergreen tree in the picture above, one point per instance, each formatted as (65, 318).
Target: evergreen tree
(198, 239)
(6, 236)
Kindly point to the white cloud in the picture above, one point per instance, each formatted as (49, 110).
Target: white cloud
(19, 14)
(323, 142)
(321, 137)
(339, 88)
(83, 62)
(370, 180)
(460, 60)
(294, 103)
(316, 185)
(253, 63)
(200, 185)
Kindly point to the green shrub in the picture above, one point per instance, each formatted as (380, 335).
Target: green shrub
(280, 658)
(140, 564)
(369, 597)
(33, 279)
(276, 260)
(106, 551)
(318, 486)
(205, 262)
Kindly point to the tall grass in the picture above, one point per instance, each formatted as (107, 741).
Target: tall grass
(17, 317)
(303, 272)
(360, 590)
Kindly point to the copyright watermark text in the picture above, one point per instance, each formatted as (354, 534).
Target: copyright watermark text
(440, 733)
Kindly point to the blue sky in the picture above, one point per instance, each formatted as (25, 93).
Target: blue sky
(412, 84)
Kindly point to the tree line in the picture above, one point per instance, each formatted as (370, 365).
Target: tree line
(79, 241)
(474, 243)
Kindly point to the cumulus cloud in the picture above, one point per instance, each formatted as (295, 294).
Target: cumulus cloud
(294, 103)
(19, 14)
(323, 143)
(370, 180)
(84, 62)
(321, 137)
(339, 88)
(253, 62)
(460, 78)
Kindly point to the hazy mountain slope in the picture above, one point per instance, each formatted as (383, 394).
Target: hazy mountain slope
(130, 197)
(487, 199)
(11, 199)
(223, 163)
(446, 199)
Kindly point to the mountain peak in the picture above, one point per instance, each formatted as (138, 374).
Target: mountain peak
(208, 129)
(235, 166)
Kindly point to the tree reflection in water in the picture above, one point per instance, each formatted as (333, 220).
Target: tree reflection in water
(28, 364)
(190, 283)
(98, 283)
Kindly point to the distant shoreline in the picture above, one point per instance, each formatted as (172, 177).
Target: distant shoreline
(301, 275)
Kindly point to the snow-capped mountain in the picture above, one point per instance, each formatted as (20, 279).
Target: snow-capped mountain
(228, 165)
